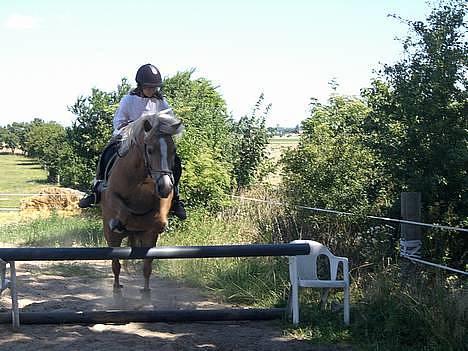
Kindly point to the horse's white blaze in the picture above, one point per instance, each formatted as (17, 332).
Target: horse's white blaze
(163, 149)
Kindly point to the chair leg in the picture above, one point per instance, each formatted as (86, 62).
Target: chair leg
(289, 305)
(295, 302)
(14, 297)
(346, 305)
(324, 292)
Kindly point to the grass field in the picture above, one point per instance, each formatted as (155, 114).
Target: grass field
(288, 140)
(275, 149)
(19, 175)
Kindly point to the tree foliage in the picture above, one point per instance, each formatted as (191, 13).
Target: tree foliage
(8, 138)
(331, 167)
(251, 138)
(206, 147)
(418, 121)
(408, 132)
(14, 135)
(89, 134)
(47, 143)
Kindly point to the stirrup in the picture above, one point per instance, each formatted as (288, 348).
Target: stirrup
(116, 226)
(88, 201)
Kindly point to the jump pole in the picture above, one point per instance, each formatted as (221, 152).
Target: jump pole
(144, 316)
(162, 252)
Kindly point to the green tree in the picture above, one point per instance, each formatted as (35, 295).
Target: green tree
(20, 129)
(47, 143)
(11, 139)
(251, 141)
(331, 167)
(418, 124)
(206, 146)
(14, 135)
(3, 137)
(89, 134)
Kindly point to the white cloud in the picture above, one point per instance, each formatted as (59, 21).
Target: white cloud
(16, 21)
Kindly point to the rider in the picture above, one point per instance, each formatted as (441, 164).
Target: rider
(145, 98)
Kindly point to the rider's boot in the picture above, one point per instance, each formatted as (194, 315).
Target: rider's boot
(178, 208)
(93, 198)
(88, 201)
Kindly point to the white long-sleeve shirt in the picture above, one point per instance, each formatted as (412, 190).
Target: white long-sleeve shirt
(133, 107)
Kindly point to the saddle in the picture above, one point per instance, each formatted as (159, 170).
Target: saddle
(107, 161)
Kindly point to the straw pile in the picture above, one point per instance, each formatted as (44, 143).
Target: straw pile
(53, 199)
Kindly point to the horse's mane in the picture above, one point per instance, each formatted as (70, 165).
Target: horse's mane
(163, 122)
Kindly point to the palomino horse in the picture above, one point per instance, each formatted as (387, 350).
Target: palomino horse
(138, 195)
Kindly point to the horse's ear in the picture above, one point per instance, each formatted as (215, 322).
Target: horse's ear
(147, 125)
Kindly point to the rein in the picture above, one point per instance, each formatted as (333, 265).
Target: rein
(133, 212)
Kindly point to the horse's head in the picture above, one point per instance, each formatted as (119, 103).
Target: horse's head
(160, 150)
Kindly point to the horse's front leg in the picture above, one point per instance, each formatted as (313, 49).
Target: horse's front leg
(116, 270)
(115, 240)
(147, 269)
(148, 239)
(117, 224)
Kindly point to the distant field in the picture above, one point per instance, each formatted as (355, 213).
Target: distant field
(276, 147)
(294, 139)
(19, 174)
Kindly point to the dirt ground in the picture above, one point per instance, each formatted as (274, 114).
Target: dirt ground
(86, 286)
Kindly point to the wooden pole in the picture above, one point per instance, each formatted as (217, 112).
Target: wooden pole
(145, 316)
(410, 233)
(410, 242)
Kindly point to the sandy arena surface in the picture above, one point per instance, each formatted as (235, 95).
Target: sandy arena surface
(86, 286)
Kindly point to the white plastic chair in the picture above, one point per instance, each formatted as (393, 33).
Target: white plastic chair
(303, 274)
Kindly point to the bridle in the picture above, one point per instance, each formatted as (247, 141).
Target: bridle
(156, 174)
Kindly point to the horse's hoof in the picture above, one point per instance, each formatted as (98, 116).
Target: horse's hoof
(116, 226)
(117, 295)
(146, 295)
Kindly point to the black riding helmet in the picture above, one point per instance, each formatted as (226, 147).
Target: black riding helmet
(148, 76)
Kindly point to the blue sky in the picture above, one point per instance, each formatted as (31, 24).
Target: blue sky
(54, 51)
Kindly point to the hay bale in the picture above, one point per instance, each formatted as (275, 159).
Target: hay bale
(53, 199)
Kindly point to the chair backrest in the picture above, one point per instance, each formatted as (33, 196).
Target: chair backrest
(307, 264)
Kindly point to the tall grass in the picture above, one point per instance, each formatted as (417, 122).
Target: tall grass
(55, 231)
(426, 311)
(252, 281)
